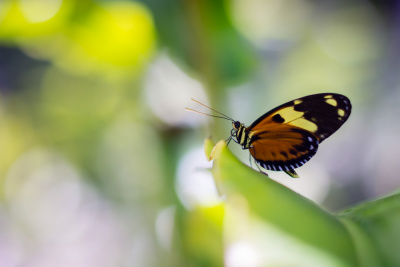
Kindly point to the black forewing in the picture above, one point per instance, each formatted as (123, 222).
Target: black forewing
(328, 111)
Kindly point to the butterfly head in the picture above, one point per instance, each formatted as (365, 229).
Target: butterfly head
(236, 125)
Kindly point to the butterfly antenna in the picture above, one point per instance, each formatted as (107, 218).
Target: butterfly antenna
(226, 117)
(192, 110)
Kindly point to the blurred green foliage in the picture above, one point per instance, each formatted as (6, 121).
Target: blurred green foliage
(100, 165)
(379, 219)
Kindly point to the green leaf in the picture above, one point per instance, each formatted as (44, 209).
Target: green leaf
(208, 147)
(201, 230)
(340, 242)
(380, 220)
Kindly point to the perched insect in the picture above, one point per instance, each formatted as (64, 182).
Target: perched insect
(288, 136)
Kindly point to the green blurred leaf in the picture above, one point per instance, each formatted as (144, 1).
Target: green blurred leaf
(208, 147)
(201, 231)
(342, 242)
(380, 219)
(201, 35)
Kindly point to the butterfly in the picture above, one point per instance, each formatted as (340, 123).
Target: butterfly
(288, 136)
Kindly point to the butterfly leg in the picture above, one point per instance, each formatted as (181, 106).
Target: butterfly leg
(250, 161)
(228, 140)
(260, 169)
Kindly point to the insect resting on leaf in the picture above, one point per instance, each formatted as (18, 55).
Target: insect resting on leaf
(288, 136)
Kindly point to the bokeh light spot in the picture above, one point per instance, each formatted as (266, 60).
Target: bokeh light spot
(194, 184)
(168, 92)
(36, 11)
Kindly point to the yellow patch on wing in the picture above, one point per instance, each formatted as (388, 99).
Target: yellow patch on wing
(298, 101)
(341, 112)
(289, 114)
(331, 101)
(305, 124)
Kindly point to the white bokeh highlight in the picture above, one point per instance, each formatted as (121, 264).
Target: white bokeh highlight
(195, 184)
(168, 90)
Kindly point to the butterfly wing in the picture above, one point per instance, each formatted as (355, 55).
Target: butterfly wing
(288, 136)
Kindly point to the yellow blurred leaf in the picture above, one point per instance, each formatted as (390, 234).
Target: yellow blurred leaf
(208, 147)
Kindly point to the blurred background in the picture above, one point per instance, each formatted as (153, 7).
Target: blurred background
(101, 165)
